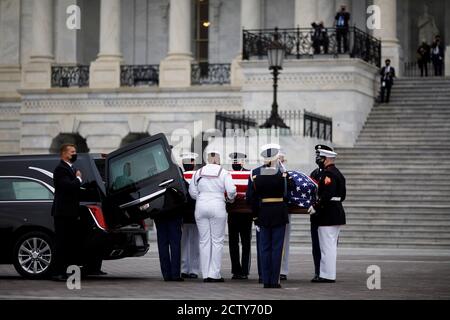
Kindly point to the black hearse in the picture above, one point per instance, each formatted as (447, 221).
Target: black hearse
(119, 191)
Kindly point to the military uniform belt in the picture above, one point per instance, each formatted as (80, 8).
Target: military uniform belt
(335, 199)
(266, 200)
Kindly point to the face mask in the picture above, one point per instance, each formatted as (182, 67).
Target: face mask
(320, 161)
(236, 166)
(73, 158)
(188, 166)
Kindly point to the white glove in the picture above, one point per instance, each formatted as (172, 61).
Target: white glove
(311, 210)
(258, 229)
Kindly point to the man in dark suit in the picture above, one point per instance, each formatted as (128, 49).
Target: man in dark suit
(387, 74)
(437, 56)
(342, 24)
(65, 211)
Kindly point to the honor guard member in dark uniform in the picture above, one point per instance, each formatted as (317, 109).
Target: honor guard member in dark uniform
(315, 175)
(190, 254)
(239, 226)
(330, 214)
(253, 201)
(271, 188)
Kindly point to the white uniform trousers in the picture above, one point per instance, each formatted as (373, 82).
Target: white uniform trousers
(328, 239)
(190, 262)
(285, 257)
(211, 218)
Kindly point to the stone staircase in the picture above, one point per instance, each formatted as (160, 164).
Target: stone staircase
(398, 173)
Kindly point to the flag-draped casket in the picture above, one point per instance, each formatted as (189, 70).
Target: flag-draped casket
(301, 197)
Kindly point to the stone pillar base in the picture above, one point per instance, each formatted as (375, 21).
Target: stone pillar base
(37, 75)
(447, 61)
(104, 73)
(175, 72)
(10, 77)
(237, 77)
(392, 51)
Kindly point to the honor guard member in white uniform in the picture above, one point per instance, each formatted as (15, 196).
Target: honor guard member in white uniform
(287, 236)
(211, 186)
(330, 215)
(190, 262)
(271, 188)
(239, 226)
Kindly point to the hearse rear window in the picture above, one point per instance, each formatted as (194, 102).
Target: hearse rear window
(133, 167)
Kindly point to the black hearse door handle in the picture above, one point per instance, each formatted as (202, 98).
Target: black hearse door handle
(164, 183)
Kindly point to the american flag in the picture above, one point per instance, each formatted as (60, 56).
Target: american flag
(240, 179)
(305, 192)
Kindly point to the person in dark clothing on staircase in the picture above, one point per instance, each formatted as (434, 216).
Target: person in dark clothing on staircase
(387, 74)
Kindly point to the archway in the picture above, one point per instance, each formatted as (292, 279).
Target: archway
(132, 137)
(74, 138)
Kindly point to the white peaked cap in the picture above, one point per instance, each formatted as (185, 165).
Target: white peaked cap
(217, 152)
(188, 155)
(270, 151)
(327, 153)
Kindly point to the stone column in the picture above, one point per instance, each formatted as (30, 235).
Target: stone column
(305, 13)
(326, 12)
(37, 72)
(105, 71)
(390, 47)
(10, 76)
(447, 62)
(250, 19)
(175, 69)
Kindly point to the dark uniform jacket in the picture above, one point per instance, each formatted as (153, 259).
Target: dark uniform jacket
(67, 191)
(331, 185)
(250, 196)
(316, 176)
(188, 208)
(272, 214)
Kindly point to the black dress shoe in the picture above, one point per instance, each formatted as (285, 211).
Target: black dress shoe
(276, 286)
(260, 280)
(59, 277)
(185, 275)
(239, 277)
(177, 279)
(323, 280)
(216, 280)
(267, 286)
(193, 276)
(283, 277)
(315, 279)
(207, 280)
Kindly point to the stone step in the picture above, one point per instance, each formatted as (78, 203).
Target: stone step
(359, 161)
(408, 116)
(402, 141)
(384, 225)
(396, 166)
(347, 233)
(401, 134)
(353, 186)
(395, 193)
(346, 242)
(404, 232)
(412, 200)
